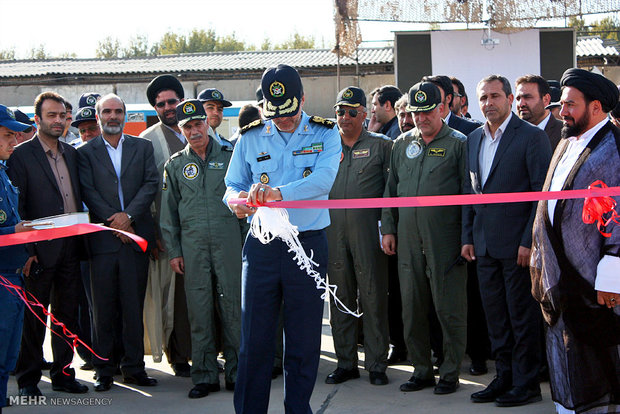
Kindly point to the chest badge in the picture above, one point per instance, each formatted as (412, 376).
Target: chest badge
(436, 152)
(264, 178)
(306, 172)
(413, 150)
(2, 216)
(361, 153)
(190, 171)
(214, 165)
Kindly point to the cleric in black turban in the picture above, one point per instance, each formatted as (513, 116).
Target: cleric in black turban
(594, 86)
(161, 83)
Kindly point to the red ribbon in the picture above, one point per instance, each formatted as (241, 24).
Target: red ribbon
(442, 200)
(33, 302)
(66, 231)
(594, 208)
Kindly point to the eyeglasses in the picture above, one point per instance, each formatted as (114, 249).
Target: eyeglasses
(167, 101)
(91, 128)
(352, 112)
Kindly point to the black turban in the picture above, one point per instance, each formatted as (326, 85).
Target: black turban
(161, 83)
(592, 85)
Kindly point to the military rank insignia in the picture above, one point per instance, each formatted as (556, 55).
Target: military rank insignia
(263, 156)
(436, 152)
(189, 108)
(214, 165)
(2, 216)
(190, 171)
(264, 178)
(413, 149)
(306, 172)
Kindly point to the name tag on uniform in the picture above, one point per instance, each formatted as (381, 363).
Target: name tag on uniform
(214, 165)
(263, 156)
(361, 153)
(316, 147)
(436, 152)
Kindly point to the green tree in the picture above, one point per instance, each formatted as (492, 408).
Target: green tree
(266, 45)
(138, 47)
(171, 44)
(108, 48)
(201, 41)
(578, 24)
(229, 43)
(607, 28)
(297, 41)
(7, 54)
(38, 53)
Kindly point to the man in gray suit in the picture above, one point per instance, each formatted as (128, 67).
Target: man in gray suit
(533, 96)
(119, 181)
(507, 154)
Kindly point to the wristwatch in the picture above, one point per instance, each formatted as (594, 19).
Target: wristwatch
(129, 217)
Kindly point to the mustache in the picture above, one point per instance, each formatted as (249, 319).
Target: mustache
(195, 136)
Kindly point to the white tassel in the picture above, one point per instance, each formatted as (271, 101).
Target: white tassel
(269, 223)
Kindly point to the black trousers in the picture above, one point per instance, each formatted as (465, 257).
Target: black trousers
(513, 319)
(478, 344)
(58, 284)
(118, 286)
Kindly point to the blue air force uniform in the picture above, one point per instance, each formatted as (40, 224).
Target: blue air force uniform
(12, 258)
(303, 165)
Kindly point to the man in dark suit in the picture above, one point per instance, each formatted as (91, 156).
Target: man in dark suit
(46, 174)
(533, 96)
(507, 154)
(444, 84)
(119, 181)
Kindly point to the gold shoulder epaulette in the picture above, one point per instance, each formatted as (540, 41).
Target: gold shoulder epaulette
(251, 125)
(322, 121)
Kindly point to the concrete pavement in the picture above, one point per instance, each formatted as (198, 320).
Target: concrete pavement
(352, 397)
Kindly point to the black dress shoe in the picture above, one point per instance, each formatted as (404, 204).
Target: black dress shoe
(446, 387)
(518, 396)
(87, 366)
(30, 391)
(181, 369)
(230, 386)
(199, 391)
(140, 379)
(103, 383)
(478, 367)
(276, 372)
(70, 386)
(215, 387)
(417, 384)
(378, 378)
(341, 375)
(496, 388)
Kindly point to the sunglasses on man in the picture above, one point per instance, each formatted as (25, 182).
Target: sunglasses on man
(352, 112)
(167, 101)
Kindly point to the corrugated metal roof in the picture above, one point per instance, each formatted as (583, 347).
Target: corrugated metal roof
(196, 62)
(589, 46)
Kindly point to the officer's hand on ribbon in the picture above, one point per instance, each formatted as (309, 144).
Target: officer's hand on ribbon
(21, 227)
(242, 210)
(262, 193)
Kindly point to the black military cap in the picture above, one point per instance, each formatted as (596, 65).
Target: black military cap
(282, 91)
(88, 99)
(423, 97)
(84, 114)
(351, 96)
(212, 94)
(190, 110)
(161, 83)
(24, 119)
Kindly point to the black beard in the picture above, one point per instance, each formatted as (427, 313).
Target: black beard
(578, 127)
(167, 121)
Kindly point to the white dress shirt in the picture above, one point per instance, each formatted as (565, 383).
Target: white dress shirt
(116, 156)
(488, 148)
(544, 122)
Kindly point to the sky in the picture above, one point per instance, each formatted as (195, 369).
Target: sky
(72, 26)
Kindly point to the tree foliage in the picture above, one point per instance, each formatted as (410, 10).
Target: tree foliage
(108, 48)
(606, 28)
(297, 41)
(7, 54)
(138, 47)
(38, 53)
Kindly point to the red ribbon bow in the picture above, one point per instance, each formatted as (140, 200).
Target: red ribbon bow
(594, 208)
